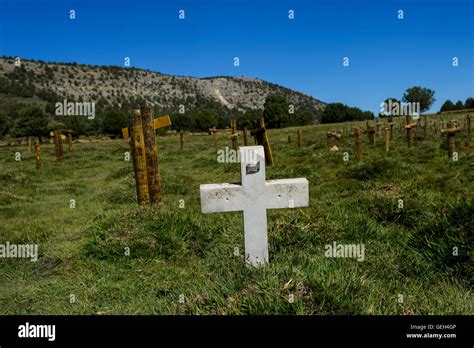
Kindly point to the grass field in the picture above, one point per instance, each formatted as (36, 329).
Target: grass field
(177, 251)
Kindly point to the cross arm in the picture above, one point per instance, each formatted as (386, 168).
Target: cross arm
(286, 193)
(450, 130)
(159, 122)
(221, 198)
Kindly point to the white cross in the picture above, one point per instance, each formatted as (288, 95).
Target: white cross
(254, 196)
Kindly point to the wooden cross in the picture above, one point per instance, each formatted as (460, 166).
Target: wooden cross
(332, 135)
(37, 155)
(234, 135)
(451, 132)
(378, 124)
(390, 124)
(371, 132)
(410, 135)
(254, 196)
(214, 131)
(246, 138)
(299, 138)
(261, 136)
(159, 122)
(358, 144)
(58, 145)
(145, 153)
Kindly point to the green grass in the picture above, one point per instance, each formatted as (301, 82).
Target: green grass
(182, 251)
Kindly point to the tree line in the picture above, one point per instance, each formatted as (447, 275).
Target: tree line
(20, 118)
(448, 105)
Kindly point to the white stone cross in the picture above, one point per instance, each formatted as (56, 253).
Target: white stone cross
(254, 196)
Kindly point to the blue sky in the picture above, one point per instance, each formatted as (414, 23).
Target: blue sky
(386, 55)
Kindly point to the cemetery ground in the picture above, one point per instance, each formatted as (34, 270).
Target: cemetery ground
(184, 262)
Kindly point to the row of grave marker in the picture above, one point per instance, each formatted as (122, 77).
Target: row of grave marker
(58, 146)
(261, 138)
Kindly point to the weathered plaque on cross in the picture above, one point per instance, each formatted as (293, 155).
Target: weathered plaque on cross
(254, 196)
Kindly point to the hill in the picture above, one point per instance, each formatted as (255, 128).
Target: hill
(117, 86)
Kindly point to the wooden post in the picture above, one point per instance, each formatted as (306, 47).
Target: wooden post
(451, 132)
(289, 138)
(69, 142)
(233, 126)
(37, 155)
(468, 123)
(387, 139)
(181, 140)
(58, 146)
(214, 136)
(246, 137)
(451, 145)
(378, 124)
(137, 144)
(29, 144)
(425, 128)
(266, 143)
(151, 154)
(358, 144)
(391, 131)
(300, 138)
(261, 137)
(409, 127)
(410, 136)
(371, 132)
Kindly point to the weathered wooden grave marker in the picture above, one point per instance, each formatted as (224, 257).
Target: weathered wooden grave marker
(151, 153)
(451, 132)
(371, 133)
(254, 196)
(145, 153)
(378, 124)
(357, 143)
(246, 137)
(181, 139)
(390, 124)
(68, 134)
(289, 138)
(37, 155)
(29, 145)
(387, 139)
(425, 128)
(468, 123)
(299, 138)
(58, 146)
(213, 132)
(410, 125)
(261, 137)
(234, 135)
(137, 146)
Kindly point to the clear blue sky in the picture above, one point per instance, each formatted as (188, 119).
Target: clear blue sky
(387, 55)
